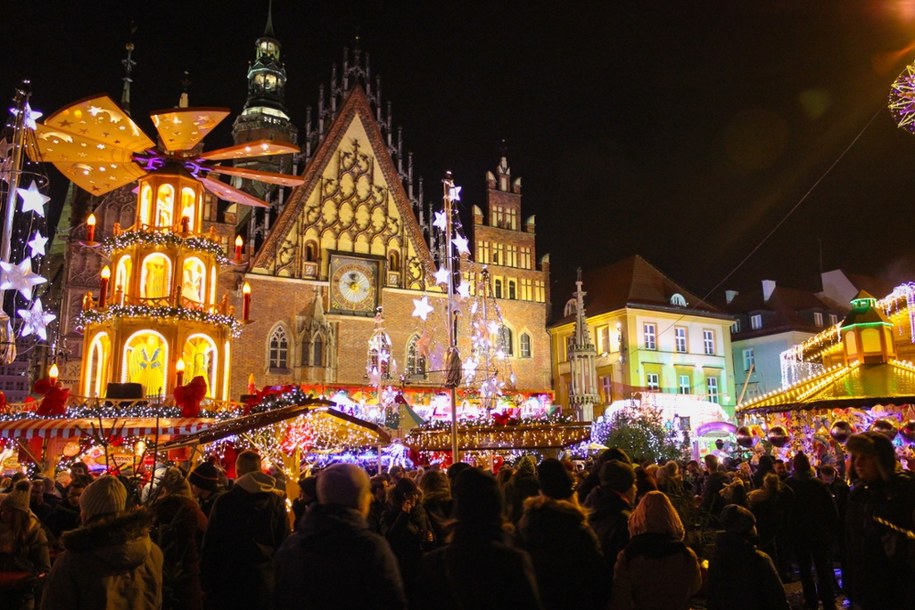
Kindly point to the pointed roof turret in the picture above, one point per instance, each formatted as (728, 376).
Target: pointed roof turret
(268, 31)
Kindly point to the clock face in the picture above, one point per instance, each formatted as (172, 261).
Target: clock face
(352, 285)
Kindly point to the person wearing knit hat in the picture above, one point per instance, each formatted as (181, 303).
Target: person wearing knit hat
(655, 554)
(178, 528)
(555, 479)
(204, 481)
(479, 569)
(611, 504)
(740, 575)
(23, 547)
(522, 485)
(331, 543)
(108, 562)
(879, 520)
(104, 497)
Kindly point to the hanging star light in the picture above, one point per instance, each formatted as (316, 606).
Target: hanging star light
(36, 320)
(422, 308)
(31, 116)
(441, 276)
(19, 277)
(460, 243)
(463, 290)
(37, 244)
(441, 221)
(454, 193)
(32, 199)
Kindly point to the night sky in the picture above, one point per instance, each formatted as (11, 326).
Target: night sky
(681, 131)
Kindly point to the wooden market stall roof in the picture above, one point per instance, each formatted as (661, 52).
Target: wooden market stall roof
(853, 385)
(333, 423)
(39, 427)
(520, 436)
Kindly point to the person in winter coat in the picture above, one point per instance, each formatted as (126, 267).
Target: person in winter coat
(334, 560)
(65, 516)
(437, 502)
(407, 528)
(204, 481)
(110, 562)
(521, 486)
(740, 575)
(771, 505)
(881, 557)
(23, 548)
(656, 570)
(712, 500)
(611, 504)
(554, 530)
(178, 529)
(479, 569)
(246, 527)
(811, 524)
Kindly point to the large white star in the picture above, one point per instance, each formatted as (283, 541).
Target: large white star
(31, 116)
(454, 193)
(36, 320)
(441, 276)
(460, 242)
(32, 199)
(422, 308)
(37, 244)
(463, 289)
(441, 221)
(19, 277)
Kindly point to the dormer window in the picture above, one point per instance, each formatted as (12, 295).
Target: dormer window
(677, 300)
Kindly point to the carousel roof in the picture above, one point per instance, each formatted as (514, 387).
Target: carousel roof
(853, 385)
(529, 436)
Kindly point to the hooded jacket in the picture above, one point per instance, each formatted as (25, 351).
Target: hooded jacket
(333, 560)
(742, 576)
(110, 563)
(246, 527)
(571, 572)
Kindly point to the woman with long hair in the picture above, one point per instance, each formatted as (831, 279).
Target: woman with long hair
(23, 550)
(656, 570)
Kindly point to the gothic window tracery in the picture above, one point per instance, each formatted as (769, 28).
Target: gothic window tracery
(278, 349)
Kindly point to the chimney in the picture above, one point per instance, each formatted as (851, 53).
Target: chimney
(768, 289)
(730, 295)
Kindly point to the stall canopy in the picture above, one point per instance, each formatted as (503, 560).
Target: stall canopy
(126, 426)
(855, 385)
(318, 412)
(520, 436)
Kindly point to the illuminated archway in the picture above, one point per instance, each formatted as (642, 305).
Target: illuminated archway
(165, 206)
(201, 359)
(155, 277)
(193, 280)
(189, 207)
(122, 274)
(144, 361)
(97, 365)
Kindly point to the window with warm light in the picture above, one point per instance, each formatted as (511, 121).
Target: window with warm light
(649, 335)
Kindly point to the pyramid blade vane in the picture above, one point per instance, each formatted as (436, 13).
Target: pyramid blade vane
(232, 194)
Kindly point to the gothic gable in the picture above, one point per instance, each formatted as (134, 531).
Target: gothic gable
(351, 201)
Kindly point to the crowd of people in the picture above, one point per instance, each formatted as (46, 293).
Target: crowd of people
(617, 533)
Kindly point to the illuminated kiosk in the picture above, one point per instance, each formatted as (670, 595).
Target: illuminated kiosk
(159, 312)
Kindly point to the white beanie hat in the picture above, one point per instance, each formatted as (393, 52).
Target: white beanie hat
(104, 496)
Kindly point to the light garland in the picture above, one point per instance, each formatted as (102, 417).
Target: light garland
(164, 239)
(101, 316)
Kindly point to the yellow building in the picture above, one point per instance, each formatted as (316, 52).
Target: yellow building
(650, 336)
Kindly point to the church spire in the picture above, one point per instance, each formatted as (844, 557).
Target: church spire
(268, 31)
(128, 64)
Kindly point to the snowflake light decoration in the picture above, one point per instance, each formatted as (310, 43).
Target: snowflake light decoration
(901, 101)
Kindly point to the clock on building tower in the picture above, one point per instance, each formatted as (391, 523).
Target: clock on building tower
(353, 285)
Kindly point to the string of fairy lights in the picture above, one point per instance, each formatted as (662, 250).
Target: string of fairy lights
(167, 239)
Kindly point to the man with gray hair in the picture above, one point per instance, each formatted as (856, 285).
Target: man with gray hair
(333, 560)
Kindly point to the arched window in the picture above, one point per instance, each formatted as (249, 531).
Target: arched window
(122, 275)
(144, 362)
(506, 341)
(525, 340)
(155, 277)
(416, 362)
(193, 282)
(188, 207)
(311, 251)
(145, 204)
(317, 352)
(278, 353)
(165, 206)
(511, 290)
(393, 261)
(201, 360)
(97, 365)
(497, 289)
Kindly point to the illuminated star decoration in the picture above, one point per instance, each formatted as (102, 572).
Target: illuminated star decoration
(460, 242)
(32, 199)
(37, 244)
(422, 308)
(19, 277)
(36, 320)
(454, 193)
(30, 116)
(441, 221)
(441, 276)
(463, 289)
